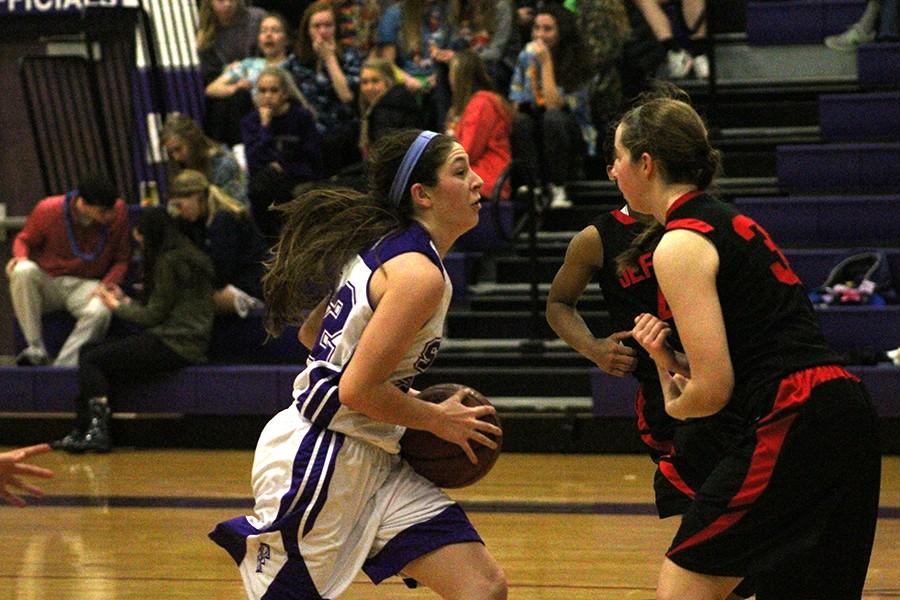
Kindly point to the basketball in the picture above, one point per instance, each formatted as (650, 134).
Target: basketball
(442, 462)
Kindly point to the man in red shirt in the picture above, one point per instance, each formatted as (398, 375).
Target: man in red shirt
(70, 245)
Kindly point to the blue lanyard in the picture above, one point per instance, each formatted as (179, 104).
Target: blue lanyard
(67, 216)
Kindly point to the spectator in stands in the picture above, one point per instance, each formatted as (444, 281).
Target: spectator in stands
(480, 119)
(878, 21)
(229, 96)
(290, 9)
(227, 33)
(71, 247)
(223, 228)
(13, 467)
(681, 57)
(385, 104)
(357, 22)
(177, 317)
(408, 34)
(550, 89)
(605, 28)
(487, 27)
(525, 19)
(282, 143)
(189, 148)
(327, 74)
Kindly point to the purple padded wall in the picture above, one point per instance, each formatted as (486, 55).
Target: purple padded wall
(826, 220)
(857, 168)
(799, 21)
(871, 116)
(877, 64)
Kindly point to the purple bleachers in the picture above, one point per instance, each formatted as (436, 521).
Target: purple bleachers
(870, 116)
(814, 264)
(853, 327)
(857, 168)
(827, 220)
(614, 396)
(234, 340)
(799, 21)
(202, 390)
(876, 64)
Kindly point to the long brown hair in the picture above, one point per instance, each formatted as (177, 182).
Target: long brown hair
(325, 227)
(670, 130)
(200, 147)
(303, 49)
(483, 14)
(675, 136)
(209, 26)
(569, 54)
(469, 76)
(413, 11)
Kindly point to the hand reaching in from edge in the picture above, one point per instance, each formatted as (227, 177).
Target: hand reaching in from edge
(12, 467)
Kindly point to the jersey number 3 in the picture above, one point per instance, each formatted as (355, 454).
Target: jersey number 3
(747, 228)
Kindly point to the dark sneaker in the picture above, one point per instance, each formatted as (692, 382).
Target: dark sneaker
(71, 443)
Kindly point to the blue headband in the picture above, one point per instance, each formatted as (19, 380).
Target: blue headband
(409, 162)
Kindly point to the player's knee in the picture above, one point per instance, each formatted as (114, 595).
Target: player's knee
(96, 312)
(667, 591)
(495, 585)
(24, 270)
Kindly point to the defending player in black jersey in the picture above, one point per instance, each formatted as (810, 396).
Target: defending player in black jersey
(797, 492)
(684, 453)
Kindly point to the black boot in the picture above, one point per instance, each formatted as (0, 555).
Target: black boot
(71, 442)
(96, 437)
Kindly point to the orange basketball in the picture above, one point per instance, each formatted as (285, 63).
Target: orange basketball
(443, 462)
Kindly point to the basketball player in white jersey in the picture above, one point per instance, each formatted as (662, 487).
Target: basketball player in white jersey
(332, 494)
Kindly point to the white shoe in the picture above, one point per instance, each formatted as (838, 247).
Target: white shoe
(679, 64)
(894, 355)
(558, 197)
(850, 39)
(701, 67)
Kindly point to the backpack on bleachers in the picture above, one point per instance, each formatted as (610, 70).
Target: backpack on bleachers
(863, 278)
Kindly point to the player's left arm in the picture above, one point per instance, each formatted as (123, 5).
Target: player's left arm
(686, 265)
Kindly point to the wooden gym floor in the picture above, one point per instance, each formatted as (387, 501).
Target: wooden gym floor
(132, 525)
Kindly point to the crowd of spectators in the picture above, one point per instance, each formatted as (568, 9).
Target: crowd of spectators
(292, 100)
(361, 67)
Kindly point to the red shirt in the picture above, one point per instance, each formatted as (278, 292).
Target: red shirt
(45, 240)
(483, 131)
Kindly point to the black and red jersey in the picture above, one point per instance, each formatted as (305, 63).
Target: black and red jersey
(633, 292)
(626, 296)
(771, 325)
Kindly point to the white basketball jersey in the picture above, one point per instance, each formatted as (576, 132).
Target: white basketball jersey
(316, 388)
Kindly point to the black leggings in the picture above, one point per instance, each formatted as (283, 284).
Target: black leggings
(136, 357)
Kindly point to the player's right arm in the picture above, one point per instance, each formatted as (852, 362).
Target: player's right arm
(406, 292)
(584, 257)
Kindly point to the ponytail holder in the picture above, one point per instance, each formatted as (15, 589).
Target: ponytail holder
(409, 162)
